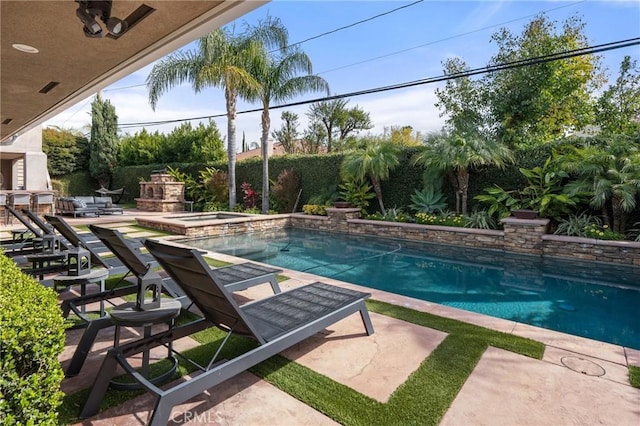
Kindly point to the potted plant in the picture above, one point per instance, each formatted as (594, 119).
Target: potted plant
(524, 214)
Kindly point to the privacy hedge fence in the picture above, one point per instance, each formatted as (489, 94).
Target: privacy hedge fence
(32, 337)
(318, 172)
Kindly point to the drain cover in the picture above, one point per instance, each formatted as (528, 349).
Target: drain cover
(582, 365)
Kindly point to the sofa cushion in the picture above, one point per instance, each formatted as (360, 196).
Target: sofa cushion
(106, 201)
(78, 203)
(86, 199)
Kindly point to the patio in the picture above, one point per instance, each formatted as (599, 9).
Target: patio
(578, 381)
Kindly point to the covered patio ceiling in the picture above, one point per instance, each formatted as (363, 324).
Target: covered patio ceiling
(68, 66)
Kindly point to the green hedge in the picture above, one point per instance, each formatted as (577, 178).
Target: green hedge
(32, 336)
(318, 172)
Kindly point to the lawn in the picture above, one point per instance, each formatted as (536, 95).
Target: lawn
(437, 380)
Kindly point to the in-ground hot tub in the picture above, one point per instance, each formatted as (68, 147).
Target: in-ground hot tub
(214, 223)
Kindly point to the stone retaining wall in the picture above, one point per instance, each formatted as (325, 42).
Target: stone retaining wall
(467, 237)
(522, 236)
(621, 252)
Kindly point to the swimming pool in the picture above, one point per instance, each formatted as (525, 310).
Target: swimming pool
(597, 301)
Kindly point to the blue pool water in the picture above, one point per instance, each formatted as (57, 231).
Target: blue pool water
(591, 300)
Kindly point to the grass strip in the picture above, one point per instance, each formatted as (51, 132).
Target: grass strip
(423, 399)
(634, 376)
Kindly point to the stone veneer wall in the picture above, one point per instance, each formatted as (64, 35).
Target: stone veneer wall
(467, 237)
(216, 228)
(523, 236)
(621, 252)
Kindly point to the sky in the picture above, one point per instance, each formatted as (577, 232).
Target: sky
(400, 46)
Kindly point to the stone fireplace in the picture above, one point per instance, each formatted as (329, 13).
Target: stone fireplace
(161, 194)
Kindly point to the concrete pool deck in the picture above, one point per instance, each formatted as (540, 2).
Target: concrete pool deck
(578, 381)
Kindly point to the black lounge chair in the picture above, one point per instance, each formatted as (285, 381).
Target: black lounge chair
(233, 278)
(276, 323)
(45, 229)
(44, 238)
(28, 239)
(34, 230)
(112, 264)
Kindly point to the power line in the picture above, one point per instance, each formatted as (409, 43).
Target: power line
(351, 25)
(312, 37)
(475, 71)
(447, 38)
(392, 53)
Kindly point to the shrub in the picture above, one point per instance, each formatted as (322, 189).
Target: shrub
(444, 219)
(32, 336)
(576, 225)
(601, 233)
(218, 184)
(250, 196)
(286, 190)
(480, 219)
(358, 193)
(392, 215)
(315, 209)
(428, 200)
(326, 196)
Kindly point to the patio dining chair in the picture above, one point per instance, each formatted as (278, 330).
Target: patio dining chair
(233, 278)
(275, 323)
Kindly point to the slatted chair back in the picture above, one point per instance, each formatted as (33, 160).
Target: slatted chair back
(118, 245)
(187, 267)
(72, 236)
(35, 231)
(39, 222)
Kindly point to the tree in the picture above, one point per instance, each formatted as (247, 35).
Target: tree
(461, 101)
(103, 145)
(279, 81)
(403, 135)
(186, 144)
(610, 174)
(328, 114)
(374, 161)
(538, 103)
(66, 150)
(455, 155)
(351, 121)
(313, 138)
(287, 135)
(221, 60)
(618, 108)
(141, 148)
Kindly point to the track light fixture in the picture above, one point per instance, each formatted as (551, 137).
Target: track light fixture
(88, 11)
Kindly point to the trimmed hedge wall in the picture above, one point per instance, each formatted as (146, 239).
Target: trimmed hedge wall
(32, 336)
(318, 172)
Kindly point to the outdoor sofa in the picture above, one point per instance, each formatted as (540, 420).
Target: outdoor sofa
(83, 205)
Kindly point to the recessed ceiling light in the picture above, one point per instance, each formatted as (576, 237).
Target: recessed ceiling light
(25, 48)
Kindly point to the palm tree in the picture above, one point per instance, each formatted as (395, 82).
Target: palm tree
(221, 60)
(611, 174)
(454, 155)
(279, 82)
(374, 160)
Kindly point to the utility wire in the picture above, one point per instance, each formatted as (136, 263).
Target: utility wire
(326, 33)
(396, 52)
(475, 71)
(364, 61)
(350, 25)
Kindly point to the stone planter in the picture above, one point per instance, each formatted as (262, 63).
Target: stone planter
(341, 204)
(524, 214)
